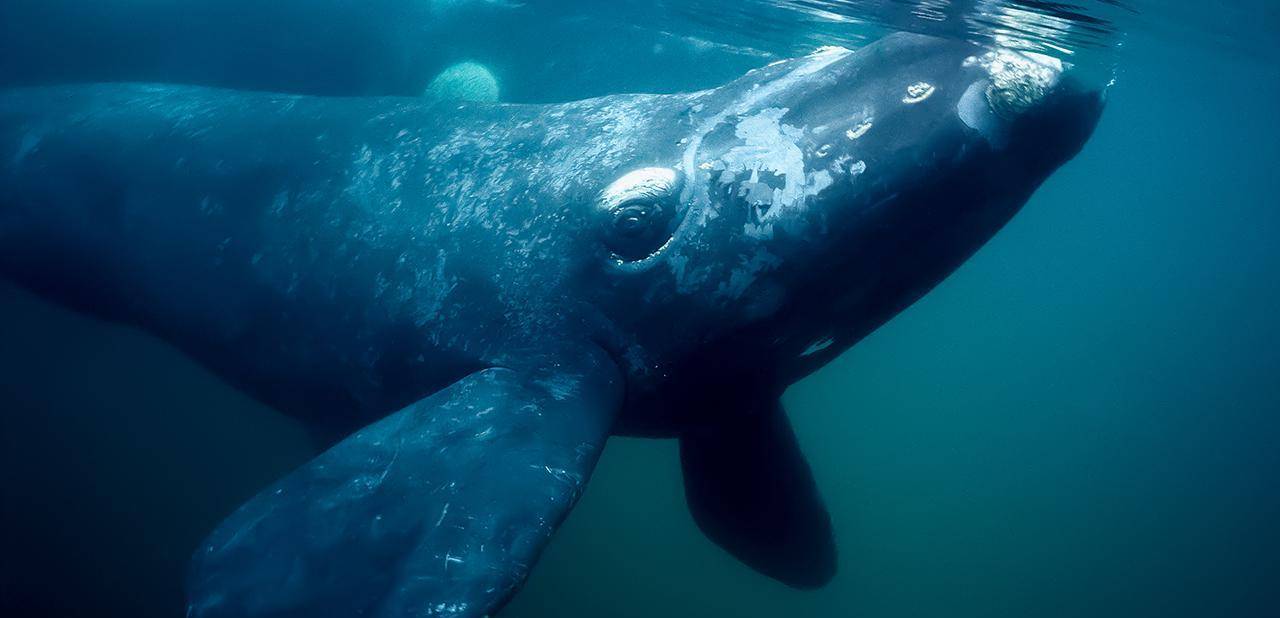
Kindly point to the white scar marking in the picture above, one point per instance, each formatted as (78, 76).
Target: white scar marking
(450, 558)
(859, 130)
(394, 457)
(818, 346)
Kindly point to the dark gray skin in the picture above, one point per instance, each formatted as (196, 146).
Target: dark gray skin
(479, 295)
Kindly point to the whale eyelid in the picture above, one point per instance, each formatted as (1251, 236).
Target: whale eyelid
(645, 184)
(640, 212)
(639, 199)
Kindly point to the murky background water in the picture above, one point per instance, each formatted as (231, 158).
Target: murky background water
(1083, 420)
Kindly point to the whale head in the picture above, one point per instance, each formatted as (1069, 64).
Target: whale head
(815, 198)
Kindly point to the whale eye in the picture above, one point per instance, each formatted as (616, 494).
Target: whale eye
(638, 212)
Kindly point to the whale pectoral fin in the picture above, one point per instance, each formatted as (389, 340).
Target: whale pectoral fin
(437, 510)
(751, 491)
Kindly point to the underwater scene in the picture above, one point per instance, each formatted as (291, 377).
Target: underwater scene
(639, 308)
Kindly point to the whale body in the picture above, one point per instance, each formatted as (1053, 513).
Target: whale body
(471, 298)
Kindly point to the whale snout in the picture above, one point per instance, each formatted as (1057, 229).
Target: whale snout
(1022, 95)
(923, 106)
(1016, 81)
(846, 157)
(1073, 108)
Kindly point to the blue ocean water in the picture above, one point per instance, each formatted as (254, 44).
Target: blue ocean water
(1082, 420)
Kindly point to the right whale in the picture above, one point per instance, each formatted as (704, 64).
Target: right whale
(476, 296)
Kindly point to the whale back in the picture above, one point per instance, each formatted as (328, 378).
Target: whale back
(443, 235)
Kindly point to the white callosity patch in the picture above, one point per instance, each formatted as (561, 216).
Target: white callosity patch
(858, 131)
(847, 166)
(769, 146)
(918, 92)
(768, 162)
(818, 60)
(1018, 79)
